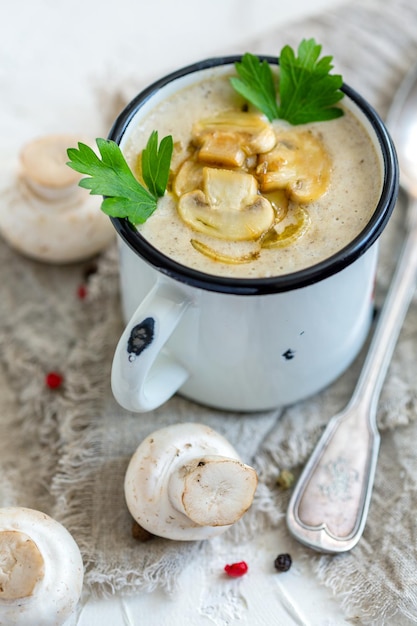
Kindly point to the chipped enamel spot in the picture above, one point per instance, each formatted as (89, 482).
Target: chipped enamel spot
(141, 337)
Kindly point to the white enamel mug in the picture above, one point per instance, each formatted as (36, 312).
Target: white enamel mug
(242, 344)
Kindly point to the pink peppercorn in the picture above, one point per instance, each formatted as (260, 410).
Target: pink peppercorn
(53, 380)
(236, 569)
(82, 292)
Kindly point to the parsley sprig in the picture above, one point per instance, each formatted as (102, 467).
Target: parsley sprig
(111, 177)
(306, 91)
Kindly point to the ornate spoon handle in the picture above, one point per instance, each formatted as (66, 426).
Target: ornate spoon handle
(330, 502)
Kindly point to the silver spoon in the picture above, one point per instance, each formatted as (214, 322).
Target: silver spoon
(329, 505)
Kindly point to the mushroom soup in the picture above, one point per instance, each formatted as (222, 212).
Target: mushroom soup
(248, 198)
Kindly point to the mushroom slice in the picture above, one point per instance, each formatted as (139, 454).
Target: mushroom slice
(299, 163)
(280, 203)
(228, 138)
(222, 257)
(278, 237)
(229, 207)
(188, 178)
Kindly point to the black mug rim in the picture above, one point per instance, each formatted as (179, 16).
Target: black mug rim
(275, 284)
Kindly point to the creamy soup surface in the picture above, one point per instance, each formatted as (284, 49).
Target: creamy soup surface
(336, 218)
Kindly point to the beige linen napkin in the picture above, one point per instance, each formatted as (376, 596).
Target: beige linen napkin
(65, 451)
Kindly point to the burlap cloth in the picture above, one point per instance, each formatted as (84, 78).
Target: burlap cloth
(65, 451)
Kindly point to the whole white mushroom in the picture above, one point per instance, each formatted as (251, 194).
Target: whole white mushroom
(48, 216)
(187, 482)
(41, 569)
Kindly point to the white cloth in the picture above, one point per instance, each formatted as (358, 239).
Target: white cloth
(73, 443)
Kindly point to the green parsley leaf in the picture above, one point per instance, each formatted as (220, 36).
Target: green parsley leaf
(306, 91)
(156, 162)
(112, 178)
(256, 84)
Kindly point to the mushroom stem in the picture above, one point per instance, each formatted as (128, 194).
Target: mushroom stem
(212, 490)
(21, 565)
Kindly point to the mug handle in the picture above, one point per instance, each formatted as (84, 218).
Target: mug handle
(142, 376)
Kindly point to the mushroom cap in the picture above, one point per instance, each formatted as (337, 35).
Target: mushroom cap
(299, 163)
(46, 215)
(60, 232)
(41, 569)
(153, 494)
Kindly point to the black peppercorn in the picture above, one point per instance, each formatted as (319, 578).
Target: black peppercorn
(283, 562)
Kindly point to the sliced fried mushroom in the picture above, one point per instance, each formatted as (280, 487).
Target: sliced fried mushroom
(229, 206)
(41, 570)
(188, 178)
(230, 137)
(222, 257)
(299, 163)
(279, 202)
(51, 218)
(281, 235)
(186, 482)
